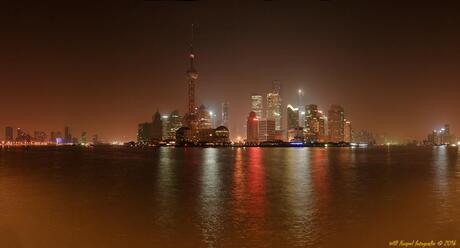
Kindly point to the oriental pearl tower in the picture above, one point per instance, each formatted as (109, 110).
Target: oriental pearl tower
(192, 76)
(191, 118)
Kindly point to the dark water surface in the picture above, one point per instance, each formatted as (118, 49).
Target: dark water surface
(227, 197)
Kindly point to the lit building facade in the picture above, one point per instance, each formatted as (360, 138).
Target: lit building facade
(267, 128)
(347, 131)
(9, 134)
(292, 117)
(173, 124)
(315, 124)
(274, 110)
(257, 105)
(336, 124)
(224, 117)
(252, 128)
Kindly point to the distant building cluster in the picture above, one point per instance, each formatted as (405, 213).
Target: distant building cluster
(197, 127)
(441, 136)
(22, 137)
(304, 123)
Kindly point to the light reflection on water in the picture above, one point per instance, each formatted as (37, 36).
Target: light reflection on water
(228, 197)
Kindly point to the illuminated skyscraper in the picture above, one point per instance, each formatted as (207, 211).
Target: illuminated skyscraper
(274, 109)
(157, 127)
(174, 123)
(257, 105)
(336, 121)
(292, 117)
(267, 130)
(313, 123)
(204, 118)
(347, 131)
(9, 136)
(224, 121)
(294, 130)
(252, 128)
(301, 107)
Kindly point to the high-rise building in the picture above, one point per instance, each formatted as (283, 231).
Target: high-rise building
(9, 134)
(165, 125)
(174, 123)
(213, 119)
(252, 128)
(313, 123)
(204, 118)
(257, 105)
(347, 131)
(267, 130)
(157, 127)
(294, 130)
(143, 133)
(67, 135)
(301, 107)
(292, 117)
(224, 119)
(274, 109)
(322, 131)
(442, 136)
(336, 121)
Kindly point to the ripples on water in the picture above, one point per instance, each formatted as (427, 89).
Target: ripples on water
(227, 197)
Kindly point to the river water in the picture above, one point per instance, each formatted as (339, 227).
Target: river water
(228, 197)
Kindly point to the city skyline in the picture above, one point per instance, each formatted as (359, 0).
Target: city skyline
(92, 89)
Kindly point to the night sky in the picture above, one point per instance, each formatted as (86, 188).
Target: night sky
(104, 68)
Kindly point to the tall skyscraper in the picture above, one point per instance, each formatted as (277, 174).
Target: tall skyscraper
(192, 75)
(204, 118)
(336, 121)
(224, 121)
(312, 123)
(347, 131)
(301, 107)
(274, 105)
(67, 135)
(292, 117)
(9, 134)
(257, 105)
(157, 127)
(274, 109)
(252, 128)
(294, 130)
(174, 123)
(143, 133)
